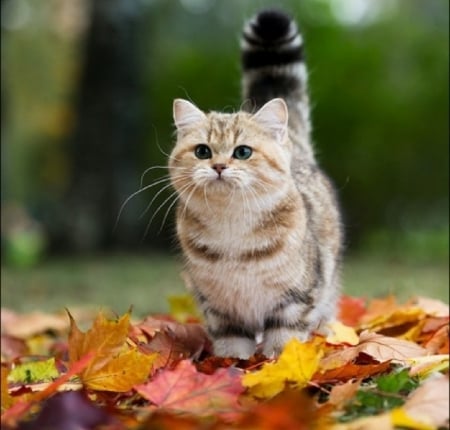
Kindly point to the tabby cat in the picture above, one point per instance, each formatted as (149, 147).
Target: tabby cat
(257, 219)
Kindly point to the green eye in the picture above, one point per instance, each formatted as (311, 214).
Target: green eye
(242, 152)
(202, 152)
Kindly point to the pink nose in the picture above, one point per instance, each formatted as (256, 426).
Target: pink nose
(219, 167)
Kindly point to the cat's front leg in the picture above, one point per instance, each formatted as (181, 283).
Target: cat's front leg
(230, 338)
(284, 324)
(234, 346)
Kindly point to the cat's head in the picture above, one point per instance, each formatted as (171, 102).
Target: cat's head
(220, 154)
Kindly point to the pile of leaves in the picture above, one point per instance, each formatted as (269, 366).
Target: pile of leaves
(383, 366)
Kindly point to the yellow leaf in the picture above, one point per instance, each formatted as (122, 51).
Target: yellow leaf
(122, 372)
(424, 366)
(296, 365)
(115, 365)
(106, 338)
(342, 334)
(183, 307)
(401, 419)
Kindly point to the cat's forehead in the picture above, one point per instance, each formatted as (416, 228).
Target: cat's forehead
(225, 128)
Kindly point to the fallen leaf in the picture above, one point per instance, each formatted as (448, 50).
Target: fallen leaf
(430, 402)
(381, 348)
(424, 366)
(184, 389)
(114, 367)
(431, 306)
(296, 365)
(378, 422)
(121, 373)
(341, 394)
(24, 326)
(342, 334)
(350, 371)
(351, 309)
(106, 338)
(291, 409)
(175, 342)
(12, 347)
(183, 308)
(6, 400)
(438, 342)
(400, 418)
(34, 371)
(71, 410)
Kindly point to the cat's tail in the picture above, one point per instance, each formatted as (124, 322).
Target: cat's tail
(273, 65)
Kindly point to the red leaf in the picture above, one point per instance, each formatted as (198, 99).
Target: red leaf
(184, 389)
(351, 309)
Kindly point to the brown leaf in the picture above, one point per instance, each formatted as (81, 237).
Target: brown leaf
(341, 394)
(381, 348)
(350, 371)
(12, 347)
(430, 402)
(184, 389)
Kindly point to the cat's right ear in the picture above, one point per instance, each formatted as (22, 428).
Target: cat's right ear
(186, 114)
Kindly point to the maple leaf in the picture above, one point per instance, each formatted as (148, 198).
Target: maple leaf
(342, 334)
(341, 394)
(12, 347)
(114, 367)
(430, 402)
(351, 309)
(184, 389)
(350, 371)
(183, 308)
(296, 365)
(291, 409)
(424, 366)
(174, 342)
(381, 348)
(71, 410)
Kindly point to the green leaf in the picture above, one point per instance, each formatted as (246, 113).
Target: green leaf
(397, 382)
(35, 371)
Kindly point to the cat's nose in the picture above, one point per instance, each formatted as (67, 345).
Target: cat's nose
(219, 167)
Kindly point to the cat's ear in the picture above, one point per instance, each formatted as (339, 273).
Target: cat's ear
(186, 114)
(274, 117)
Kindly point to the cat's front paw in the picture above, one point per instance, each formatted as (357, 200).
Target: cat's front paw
(234, 346)
(275, 340)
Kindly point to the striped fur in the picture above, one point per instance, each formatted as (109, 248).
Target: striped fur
(261, 236)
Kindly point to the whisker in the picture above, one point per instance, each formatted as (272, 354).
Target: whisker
(174, 180)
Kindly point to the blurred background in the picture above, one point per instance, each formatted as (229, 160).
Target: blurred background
(86, 92)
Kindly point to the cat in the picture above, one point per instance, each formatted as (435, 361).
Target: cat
(257, 220)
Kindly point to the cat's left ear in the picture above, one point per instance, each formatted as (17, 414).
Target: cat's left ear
(186, 114)
(274, 117)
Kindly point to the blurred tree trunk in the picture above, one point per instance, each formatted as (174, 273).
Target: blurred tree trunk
(104, 145)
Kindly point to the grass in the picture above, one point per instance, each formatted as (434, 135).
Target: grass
(145, 281)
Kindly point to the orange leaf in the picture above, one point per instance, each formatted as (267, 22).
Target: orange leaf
(105, 338)
(291, 409)
(351, 309)
(184, 389)
(6, 400)
(350, 371)
(114, 367)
